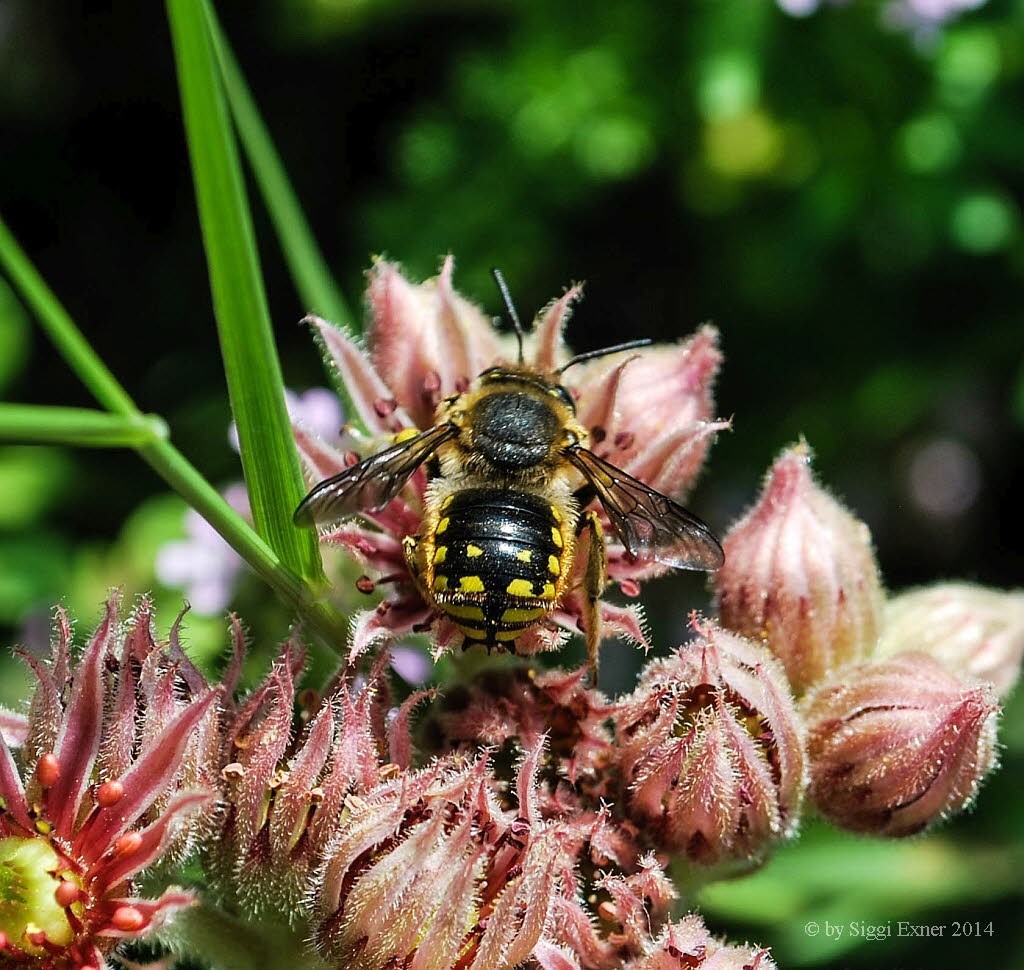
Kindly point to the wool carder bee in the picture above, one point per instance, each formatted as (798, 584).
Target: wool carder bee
(510, 482)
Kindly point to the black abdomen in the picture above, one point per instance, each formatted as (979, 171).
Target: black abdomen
(498, 556)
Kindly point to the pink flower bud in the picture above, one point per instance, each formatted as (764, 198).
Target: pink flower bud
(428, 872)
(898, 744)
(651, 412)
(687, 945)
(800, 575)
(974, 631)
(426, 339)
(712, 750)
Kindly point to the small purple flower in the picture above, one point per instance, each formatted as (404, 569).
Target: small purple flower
(203, 564)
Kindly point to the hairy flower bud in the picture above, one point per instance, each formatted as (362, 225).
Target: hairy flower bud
(973, 630)
(652, 413)
(429, 872)
(898, 744)
(687, 944)
(712, 750)
(285, 795)
(800, 575)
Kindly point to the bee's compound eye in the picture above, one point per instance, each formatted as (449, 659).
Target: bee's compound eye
(564, 396)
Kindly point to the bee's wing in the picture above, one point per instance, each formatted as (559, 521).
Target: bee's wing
(650, 525)
(375, 481)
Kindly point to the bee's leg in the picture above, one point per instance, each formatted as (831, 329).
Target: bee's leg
(593, 586)
(584, 495)
(410, 546)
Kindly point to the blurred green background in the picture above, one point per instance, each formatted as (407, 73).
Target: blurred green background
(839, 191)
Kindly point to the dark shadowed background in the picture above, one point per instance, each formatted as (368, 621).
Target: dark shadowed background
(839, 192)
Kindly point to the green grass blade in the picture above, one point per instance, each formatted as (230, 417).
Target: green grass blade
(253, 371)
(41, 424)
(312, 277)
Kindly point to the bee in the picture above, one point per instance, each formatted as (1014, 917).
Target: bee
(511, 480)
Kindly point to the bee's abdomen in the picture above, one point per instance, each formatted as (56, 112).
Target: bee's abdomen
(498, 556)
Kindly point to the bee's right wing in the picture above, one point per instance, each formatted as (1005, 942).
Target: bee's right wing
(373, 482)
(650, 525)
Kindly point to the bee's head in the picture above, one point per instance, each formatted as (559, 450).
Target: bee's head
(515, 419)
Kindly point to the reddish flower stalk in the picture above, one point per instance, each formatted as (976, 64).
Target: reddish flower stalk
(115, 774)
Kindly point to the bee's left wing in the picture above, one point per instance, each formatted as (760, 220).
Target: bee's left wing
(373, 482)
(650, 525)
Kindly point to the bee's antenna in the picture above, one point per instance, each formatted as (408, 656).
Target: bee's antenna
(511, 308)
(604, 352)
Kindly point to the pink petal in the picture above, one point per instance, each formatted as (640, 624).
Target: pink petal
(547, 337)
(267, 746)
(78, 740)
(146, 780)
(374, 627)
(551, 957)
(399, 735)
(13, 727)
(154, 838)
(320, 459)
(521, 910)
(292, 800)
(12, 793)
(234, 669)
(155, 912)
(371, 397)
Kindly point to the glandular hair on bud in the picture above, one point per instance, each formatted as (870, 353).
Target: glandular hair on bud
(712, 750)
(974, 630)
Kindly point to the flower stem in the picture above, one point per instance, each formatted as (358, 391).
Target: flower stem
(224, 942)
(41, 424)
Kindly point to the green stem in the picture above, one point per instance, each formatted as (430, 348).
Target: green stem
(41, 424)
(74, 348)
(309, 270)
(224, 942)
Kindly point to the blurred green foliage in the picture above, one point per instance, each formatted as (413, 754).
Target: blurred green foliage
(843, 198)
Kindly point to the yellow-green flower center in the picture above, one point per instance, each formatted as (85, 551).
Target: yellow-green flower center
(29, 877)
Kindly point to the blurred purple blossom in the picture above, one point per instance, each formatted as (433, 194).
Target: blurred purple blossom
(203, 564)
(318, 409)
(920, 17)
